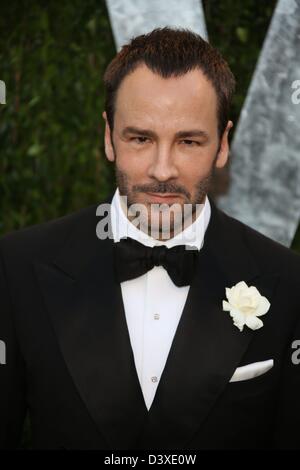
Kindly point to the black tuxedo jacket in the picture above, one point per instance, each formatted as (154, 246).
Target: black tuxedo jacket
(69, 359)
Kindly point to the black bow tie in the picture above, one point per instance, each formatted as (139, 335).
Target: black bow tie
(132, 259)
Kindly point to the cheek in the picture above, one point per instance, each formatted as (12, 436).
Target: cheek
(132, 161)
(134, 168)
(194, 169)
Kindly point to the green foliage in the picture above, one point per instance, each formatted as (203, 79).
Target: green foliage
(52, 58)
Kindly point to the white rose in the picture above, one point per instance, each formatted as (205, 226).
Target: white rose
(245, 305)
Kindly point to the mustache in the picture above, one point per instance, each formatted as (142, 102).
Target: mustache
(161, 188)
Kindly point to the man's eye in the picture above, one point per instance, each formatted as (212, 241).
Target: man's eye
(190, 143)
(140, 140)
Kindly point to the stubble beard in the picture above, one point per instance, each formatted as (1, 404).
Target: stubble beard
(161, 221)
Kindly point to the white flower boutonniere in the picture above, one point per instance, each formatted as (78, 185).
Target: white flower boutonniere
(245, 305)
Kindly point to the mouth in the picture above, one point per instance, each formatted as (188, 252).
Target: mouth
(163, 197)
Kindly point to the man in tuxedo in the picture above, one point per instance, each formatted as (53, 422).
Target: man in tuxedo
(121, 337)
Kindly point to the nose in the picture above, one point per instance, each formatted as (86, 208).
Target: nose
(163, 167)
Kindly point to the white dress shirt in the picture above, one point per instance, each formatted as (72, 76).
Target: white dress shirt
(153, 304)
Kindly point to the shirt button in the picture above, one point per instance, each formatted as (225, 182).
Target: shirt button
(154, 379)
(156, 316)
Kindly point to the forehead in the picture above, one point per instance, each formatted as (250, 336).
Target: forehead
(145, 95)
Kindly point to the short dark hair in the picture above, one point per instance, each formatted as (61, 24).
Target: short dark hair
(171, 52)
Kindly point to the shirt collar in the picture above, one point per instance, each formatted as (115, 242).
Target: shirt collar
(192, 236)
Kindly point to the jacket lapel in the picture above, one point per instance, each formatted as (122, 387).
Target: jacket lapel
(85, 305)
(207, 347)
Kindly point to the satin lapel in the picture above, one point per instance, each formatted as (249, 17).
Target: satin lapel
(207, 347)
(85, 305)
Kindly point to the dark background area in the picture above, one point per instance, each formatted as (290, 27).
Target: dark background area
(52, 59)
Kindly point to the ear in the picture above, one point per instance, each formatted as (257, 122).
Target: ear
(223, 153)
(109, 151)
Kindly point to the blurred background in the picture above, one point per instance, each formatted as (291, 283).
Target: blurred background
(52, 59)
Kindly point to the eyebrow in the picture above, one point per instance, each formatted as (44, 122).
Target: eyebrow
(180, 134)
